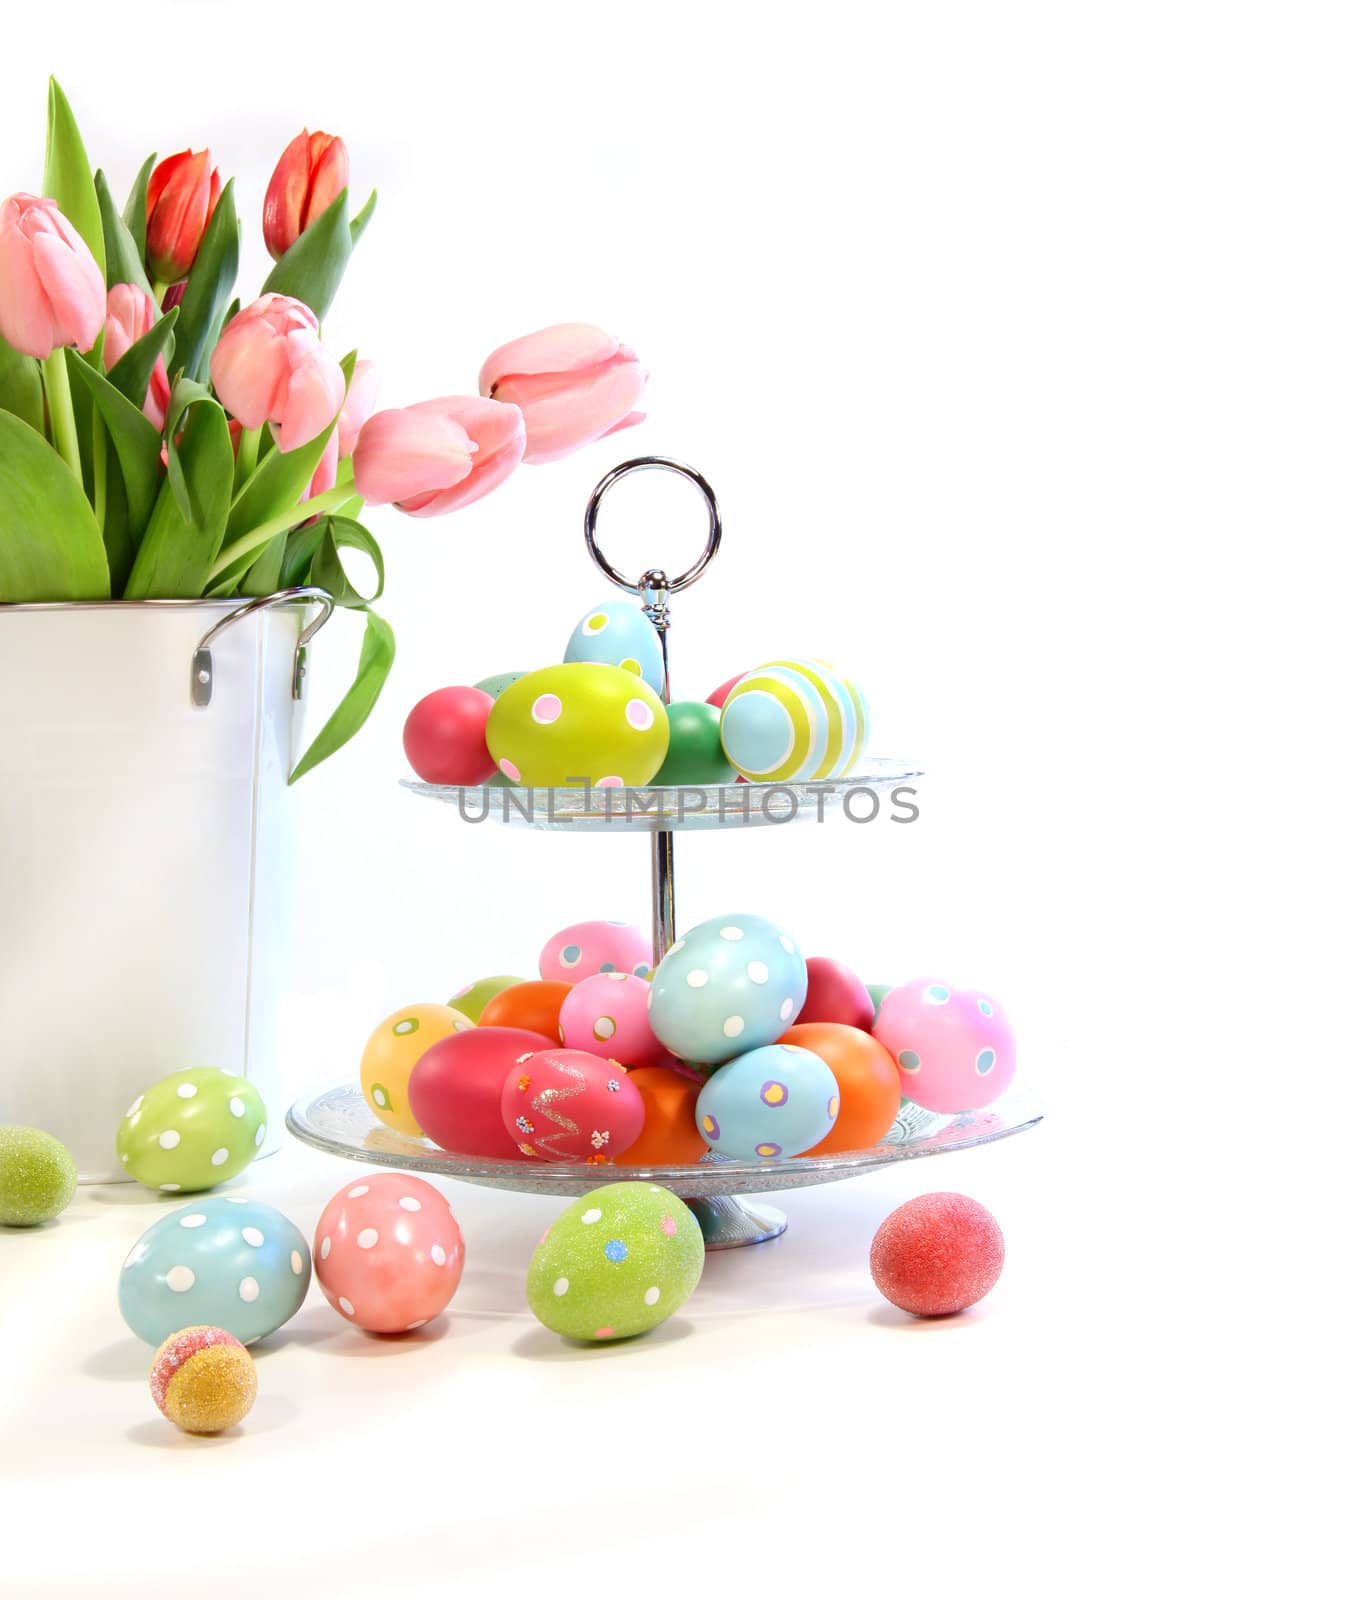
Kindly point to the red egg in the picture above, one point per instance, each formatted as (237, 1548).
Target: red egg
(455, 1094)
(444, 737)
(836, 994)
(724, 690)
(937, 1254)
(567, 1105)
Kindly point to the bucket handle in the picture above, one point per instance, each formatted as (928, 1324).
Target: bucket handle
(202, 662)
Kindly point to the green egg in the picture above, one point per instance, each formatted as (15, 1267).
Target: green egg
(579, 723)
(192, 1130)
(695, 754)
(37, 1177)
(474, 998)
(618, 1261)
(877, 992)
(496, 685)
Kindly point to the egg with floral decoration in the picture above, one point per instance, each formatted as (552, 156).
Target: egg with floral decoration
(776, 1101)
(580, 724)
(392, 1050)
(606, 1014)
(588, 947)
(618, 634)
(954, 1047)
(569, 1105)
(191, 1130)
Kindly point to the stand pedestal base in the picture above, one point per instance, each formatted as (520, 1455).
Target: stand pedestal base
(730, 1221)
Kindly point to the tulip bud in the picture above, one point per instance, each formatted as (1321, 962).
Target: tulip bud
(439, 455)
(269, 366)
(51, 291)
(309, 177)
(129, 316)
(181, 195)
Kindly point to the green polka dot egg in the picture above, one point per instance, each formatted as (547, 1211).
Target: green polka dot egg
(618, 1261)
(191, 1130)
(576, 724)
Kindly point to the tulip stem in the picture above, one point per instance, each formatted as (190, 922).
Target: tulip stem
(266, 531)
(248, 446)
(61, 414)
(99, 463)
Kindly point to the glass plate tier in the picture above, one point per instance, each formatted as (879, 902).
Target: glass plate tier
(654, 808)
(339, 1122)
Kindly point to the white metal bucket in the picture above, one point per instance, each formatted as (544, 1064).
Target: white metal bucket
(145, 853)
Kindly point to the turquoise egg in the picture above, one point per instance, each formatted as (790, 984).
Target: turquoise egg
(777, 1101)
(730, 985)
(223, 1262)
(497, 683)
(794, 721)
(619, 635)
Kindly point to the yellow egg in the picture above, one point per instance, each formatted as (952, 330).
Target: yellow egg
(390, 1054)
(579, 723)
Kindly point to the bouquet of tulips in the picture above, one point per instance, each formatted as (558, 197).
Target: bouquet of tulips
(160, 440)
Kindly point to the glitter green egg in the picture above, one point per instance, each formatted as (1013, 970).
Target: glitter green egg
(37, 1177)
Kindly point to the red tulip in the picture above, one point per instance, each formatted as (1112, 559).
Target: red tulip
(309, 177)
(439, 455)
(51, 291)
(181, 195)
(130, 315)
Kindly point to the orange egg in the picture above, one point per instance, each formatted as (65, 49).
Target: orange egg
(867, 1080)
(669, 1137)
(534, 1005)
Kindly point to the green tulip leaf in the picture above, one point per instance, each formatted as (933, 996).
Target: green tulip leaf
(66, 174)
(373, 667)
(176, 553)
(264, 575)
(136, 442)
(132, 372)
(50, 545)
(183, 396)
(357, 226)
(208, 289)
(21, 387)
(313, 267)
(123, 257)
(135, 208)
(120, 544)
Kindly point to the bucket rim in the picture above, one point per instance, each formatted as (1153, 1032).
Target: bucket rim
(218, 603)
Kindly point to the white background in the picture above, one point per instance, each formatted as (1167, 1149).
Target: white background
(1026, 347)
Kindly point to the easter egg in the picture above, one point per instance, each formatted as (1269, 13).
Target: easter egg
(496, 684)
(777, 1101)
(587, 947)
(444, 736)
(695, 754)
(937, 1254)
(836, 994)
(203, 1380)
(794, 721)
(877, 992)
(392, 1050)
(535, 1006)
(669, 1137)
(867, 1081)
(455, 1090)
(388, 1252)
(731, 984)
(223, 1261)
(616, 1262)
(37, 1177)
(191, 1130)
(569, 1105)
(579, 724)
(720, 695)
(953, 1047)
(473, 999)
(618, 634)
(606, 1014)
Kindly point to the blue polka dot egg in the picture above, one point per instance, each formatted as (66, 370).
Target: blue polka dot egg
(729, 985)
(618, 634)
(777, 1101)
(224, 1262)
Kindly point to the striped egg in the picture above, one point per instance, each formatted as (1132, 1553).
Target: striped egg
(792, 721)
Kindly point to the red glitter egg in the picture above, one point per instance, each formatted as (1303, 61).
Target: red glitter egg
(937, 1254)
(568, 1105)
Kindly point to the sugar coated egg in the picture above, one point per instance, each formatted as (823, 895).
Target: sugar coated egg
(954, 1047)
(569, 1105)
(937, 1254)
(444, 736)
(535, 1005)
(777, 1101)
(191, 1130)
(618, 634)
(473, 999)
(867, 1081)
(731, 984)
(37, 1177)
(793, 721)
(616, 1262)
(223, 1261)
(392, 1050)
(606, 1014)
(579, 724)
(586, 947)
(836, 994)
(388, 1252)
(456, 1086)
(695, 755)
(203, 1380)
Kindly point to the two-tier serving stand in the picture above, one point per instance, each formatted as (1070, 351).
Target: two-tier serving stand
(718, 1191)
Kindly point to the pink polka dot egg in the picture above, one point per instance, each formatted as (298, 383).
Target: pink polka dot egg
(388, 1252)
(606, 1014)
(588, 947)
(954, 1047)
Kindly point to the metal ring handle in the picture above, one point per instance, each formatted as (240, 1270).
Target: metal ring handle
(202, 663)
(642, 464)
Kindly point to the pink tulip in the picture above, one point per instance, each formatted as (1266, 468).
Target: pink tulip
(129, 316)
(269, 366)
(309, 177)
(360, 403)
(181, 195)
(438, 455)
(573, 383)
(51, 292)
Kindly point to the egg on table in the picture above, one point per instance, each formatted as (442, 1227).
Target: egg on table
(618, 634)
(203, 1380)
(191, 1130)
(391, 1052)
(580, 724)
(794, 721)
(779, 1100)
(586, 947)
(37, 1177)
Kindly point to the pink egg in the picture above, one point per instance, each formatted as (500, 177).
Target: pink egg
(724, 690)
(569, 1105)
(953, 1047)
(588, 947)
(388, 1252)
(836, 994)
(455, 1094)
(607, 1015)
